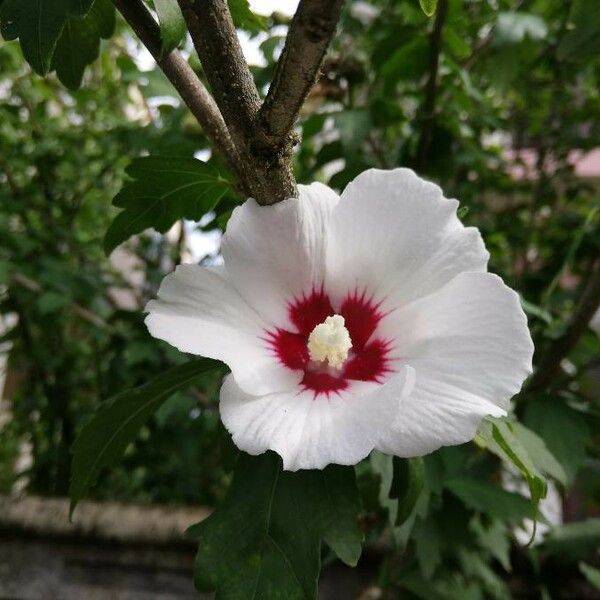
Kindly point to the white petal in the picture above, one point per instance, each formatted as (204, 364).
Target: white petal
(309, 432)
(395, 235)
(471, 351)
(276, 253)
(200, 312)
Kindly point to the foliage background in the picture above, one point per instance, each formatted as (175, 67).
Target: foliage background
(516, 97)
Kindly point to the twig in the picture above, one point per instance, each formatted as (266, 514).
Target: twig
(428, 119)
(185, 81)
(549, 365)
(309, 35)
(268, 173)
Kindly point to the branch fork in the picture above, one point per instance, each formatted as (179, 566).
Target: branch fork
(255, 139)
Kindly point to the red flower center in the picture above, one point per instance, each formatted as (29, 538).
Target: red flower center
(368, 359)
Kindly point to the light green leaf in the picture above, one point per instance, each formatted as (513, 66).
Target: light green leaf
(118, 421)
(38, 25)
(265, 540)
(244, 18)
(172, 24)
(163, 190)
(428, 6)
(79, 42)
(490, 499)
(407, 484)
(534, 310)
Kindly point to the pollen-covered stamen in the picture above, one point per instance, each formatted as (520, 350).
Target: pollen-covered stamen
(330, 341)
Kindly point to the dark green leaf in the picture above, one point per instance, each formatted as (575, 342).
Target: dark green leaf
(428, 6)
(118, 421)
(407, 484)
(172, 24)
(490, 499)
(163, 190)
(582, 39)
(79, 42)
(265, 540)
(408, 62)
(38, 25)
(573, 540)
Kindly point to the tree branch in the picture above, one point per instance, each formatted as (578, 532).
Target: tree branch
(268, 173)
(185, 81)
(549, 365)
(309, 35)
(428, 119)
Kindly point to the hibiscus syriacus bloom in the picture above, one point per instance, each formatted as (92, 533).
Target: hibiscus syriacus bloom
(351, 323)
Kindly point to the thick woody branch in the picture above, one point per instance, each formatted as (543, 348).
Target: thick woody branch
(431, 86)
(220, 52)
(268, 173)
(185, 81)
(549, 365)
(309, 35)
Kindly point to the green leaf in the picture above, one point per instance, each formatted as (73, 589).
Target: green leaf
(163, 190)
(490, 499)
(244, 18)
(428, 6)
(495, 539)
(533, 310)
(581, 42)
(265, 540)
(172, 24)
(499, 437)
(408, 62)
(118, 421)
(563, 429)
(537, 450)
(573, 540)
(38, 25)
(79, 42)
(407, 484)
(591, 574)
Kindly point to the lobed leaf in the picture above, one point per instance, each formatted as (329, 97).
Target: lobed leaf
(118, 421)
(79, 42)
(38, 25)
(265, 540)
(163, 191)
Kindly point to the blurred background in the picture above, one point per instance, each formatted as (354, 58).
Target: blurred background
(496, 100)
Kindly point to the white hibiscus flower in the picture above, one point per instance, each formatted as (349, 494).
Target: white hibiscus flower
(351, 323)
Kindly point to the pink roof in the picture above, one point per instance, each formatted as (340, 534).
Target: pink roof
(586, 164)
